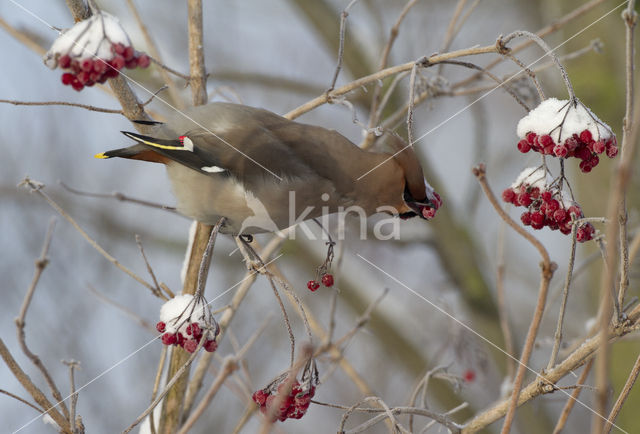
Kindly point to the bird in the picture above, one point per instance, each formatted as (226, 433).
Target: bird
(264, 173)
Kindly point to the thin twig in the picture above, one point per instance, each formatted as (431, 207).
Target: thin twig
(545, 31)
(380, 75)
(376, 104)
(38, 187)
(390, 412)
(624, 394)
(565, 296)
(616, 214)
(155, 54)
(562, 420)
(195, 384)
(228, 367)
(547, 269)
(362, 320)
(167, 388)
(41, 263)
(343, 29)
(547, 50)
(149, 268)
(423, 386)
(156, 385)
(117, 195)
(130, 313)
(22, 400)
(33, 390)
(72, 364)
(501, 302)
(63, 103)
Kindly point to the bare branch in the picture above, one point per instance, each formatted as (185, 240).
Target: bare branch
(62, 103)
(20, 321)
(38, 187)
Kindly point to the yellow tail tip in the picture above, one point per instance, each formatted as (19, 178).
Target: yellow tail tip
(100, 155)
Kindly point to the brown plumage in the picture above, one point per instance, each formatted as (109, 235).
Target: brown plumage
(250, 165)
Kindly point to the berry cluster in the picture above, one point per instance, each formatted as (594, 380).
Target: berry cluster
(327, 280)
(565, 129)
(92, 51)
(581, 146)
(293, 406)
(189, 342)
(547, 207)
(89, 71)
(185, 320)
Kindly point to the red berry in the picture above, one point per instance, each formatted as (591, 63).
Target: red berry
(168, 339)
(524, 199)
(128, 53)
(561, 151)
(469, 375)
(594, 161)
(100, 66)
(531, 138)
(526, 218)
(537, 220)
(64, 61)
(509, 195)
(612, 151)
(111, 72)
(210, 345)
(534, 192)
(259, 397)
(585, 166)
(313, 285)
(575, 210)
(131, 64)
(179, 339)
(190, 345)
(143, 61)
(586, 136)
(428, 212)
(524, 146)
(83, 77)
(583, 153)
(327, 280)
(582, 235)
(161, 327)
(67, 78)
(76, 85)
(545, 141)
(118, 48)
(553, 205)
(560, 215)
(572, 143)
(546, 196)
(598, 147)
(118, 62)
(86, 65)
(75, 66)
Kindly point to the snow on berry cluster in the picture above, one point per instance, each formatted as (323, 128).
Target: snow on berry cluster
(546, 204)
(185, 320)
(565, 129)
(292, 406)
(92, 51)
